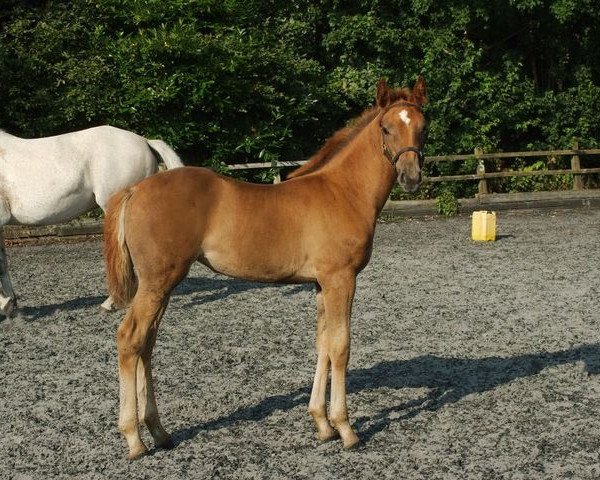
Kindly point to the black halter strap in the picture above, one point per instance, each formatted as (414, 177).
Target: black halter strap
(393, 158)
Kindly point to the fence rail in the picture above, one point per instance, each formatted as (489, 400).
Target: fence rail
(480, 174)
(84, 228)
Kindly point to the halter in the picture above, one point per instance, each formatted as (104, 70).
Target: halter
(393, 158)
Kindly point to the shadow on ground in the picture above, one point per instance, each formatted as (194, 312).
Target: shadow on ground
(448, 379)
(199, 290)
(35, 313)
(203, 290)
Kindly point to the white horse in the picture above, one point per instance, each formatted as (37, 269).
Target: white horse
(55, 179)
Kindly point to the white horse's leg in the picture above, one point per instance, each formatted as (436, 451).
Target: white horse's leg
(102, 199)
(8, 299)
(108, 305)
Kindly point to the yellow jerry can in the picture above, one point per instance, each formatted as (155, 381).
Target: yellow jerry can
(484, 226)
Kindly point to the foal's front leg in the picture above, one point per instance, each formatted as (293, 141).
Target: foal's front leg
(338, 293)
(317, 406)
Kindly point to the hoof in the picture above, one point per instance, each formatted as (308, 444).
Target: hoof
(350, 442)
(8, 307)
(327, 434)
(166, 444)
(108, 305)
(137, 452)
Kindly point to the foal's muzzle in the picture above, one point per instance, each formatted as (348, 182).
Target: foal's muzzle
(409, 183)
(409, 169)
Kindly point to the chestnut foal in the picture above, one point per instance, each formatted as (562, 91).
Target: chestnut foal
(316, 227)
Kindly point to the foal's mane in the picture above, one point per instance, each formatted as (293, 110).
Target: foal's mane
(344, 136)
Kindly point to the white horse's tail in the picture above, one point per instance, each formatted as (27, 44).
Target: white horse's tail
(165, 153)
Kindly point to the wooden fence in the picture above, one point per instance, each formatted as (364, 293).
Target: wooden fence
(480, 175)
(86, 227)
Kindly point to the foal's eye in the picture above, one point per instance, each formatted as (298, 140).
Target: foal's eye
(385, 130)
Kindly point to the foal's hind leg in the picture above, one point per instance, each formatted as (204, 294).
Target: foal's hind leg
(147, 409)
(135, 339)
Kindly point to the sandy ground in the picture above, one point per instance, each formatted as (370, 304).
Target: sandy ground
(469, 361)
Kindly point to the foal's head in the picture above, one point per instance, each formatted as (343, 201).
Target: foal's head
(402, 125)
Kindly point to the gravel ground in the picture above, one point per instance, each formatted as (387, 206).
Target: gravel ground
(469, 361)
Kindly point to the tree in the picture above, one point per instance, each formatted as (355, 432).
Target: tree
(232, 81)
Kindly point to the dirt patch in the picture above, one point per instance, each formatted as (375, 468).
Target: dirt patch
(469, 360)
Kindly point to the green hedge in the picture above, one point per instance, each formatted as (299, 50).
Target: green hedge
(230, 81)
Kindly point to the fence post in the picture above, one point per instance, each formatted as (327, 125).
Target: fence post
(483, 190)
(576, 165)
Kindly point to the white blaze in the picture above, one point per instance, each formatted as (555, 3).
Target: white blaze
(404, 116)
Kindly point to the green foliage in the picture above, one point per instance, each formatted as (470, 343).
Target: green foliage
(232, 82)
(529, 184)
(447, 204)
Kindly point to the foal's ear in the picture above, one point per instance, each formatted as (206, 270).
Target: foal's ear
(419, 92)
(384, 94)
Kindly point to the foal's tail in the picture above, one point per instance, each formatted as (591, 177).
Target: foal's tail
(165, 153)
(121, 278)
